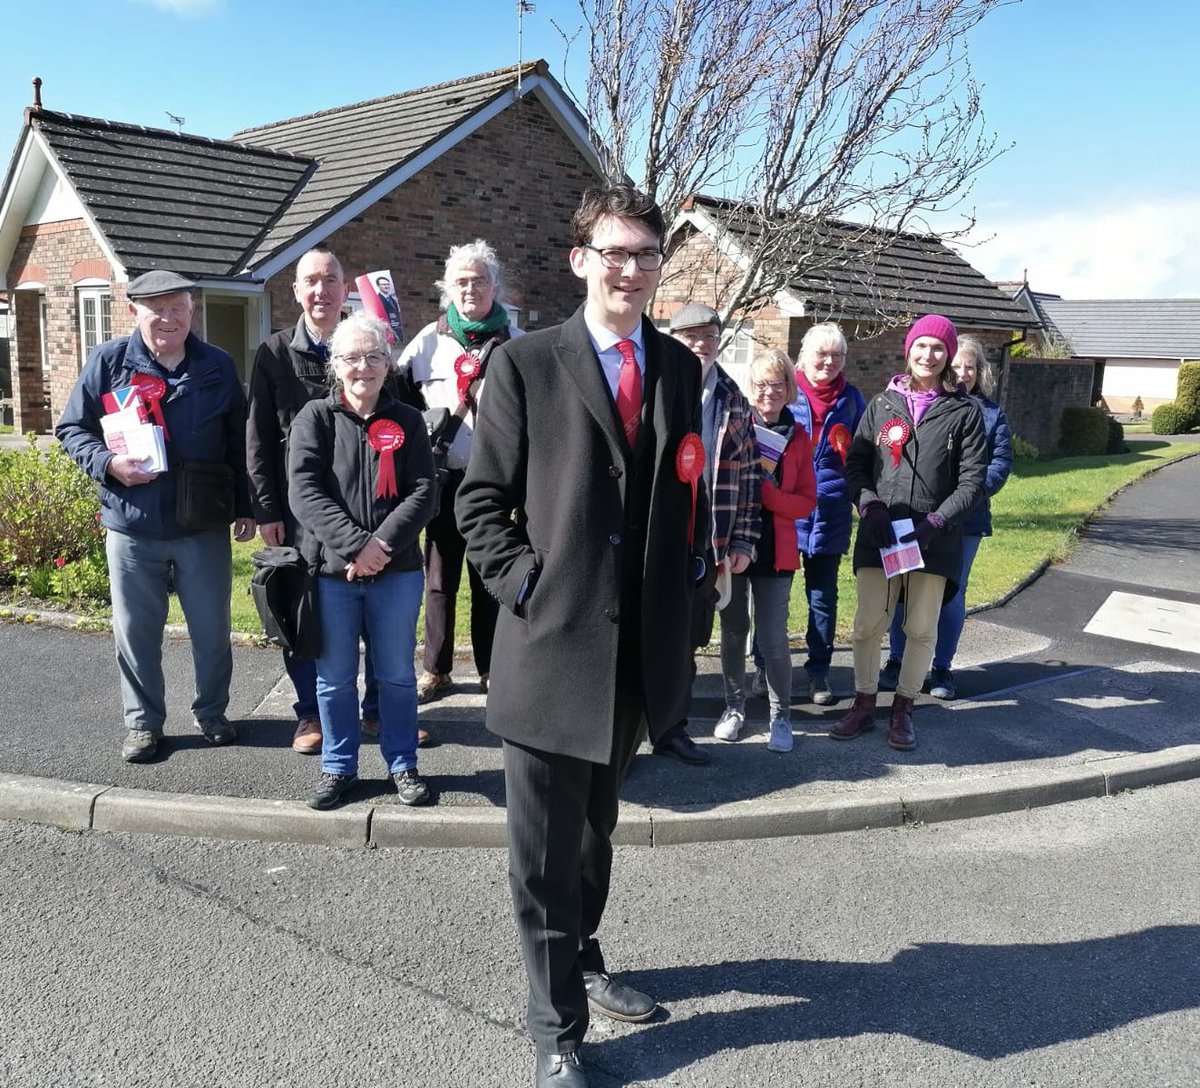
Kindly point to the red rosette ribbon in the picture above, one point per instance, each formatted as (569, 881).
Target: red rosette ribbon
(893, 434)
(839, 439)
(386, 436)
(467, 367)
(151, 389)
(689, 467)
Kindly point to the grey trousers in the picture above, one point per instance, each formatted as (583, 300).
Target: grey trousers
(140, 570)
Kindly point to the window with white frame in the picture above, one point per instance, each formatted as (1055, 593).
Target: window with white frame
(95, 316)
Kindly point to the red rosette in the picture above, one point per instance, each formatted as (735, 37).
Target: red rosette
(386, 436)
(689, 467)
(151, 389)
(839, 439)
(893, 434)
(467, 368)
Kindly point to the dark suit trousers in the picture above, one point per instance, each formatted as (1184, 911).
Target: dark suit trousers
(561, 815)
(445, 554)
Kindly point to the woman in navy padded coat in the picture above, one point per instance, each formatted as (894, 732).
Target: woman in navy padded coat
(828, 408)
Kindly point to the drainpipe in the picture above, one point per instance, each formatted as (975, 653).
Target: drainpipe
(1005, 357)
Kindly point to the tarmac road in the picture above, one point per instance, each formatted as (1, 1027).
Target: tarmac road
(1049, 948)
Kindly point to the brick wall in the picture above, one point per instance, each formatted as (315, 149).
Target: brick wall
(1037, 392)
(59, 255)
(516, 183)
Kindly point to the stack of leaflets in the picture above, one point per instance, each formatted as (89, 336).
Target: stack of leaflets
(127, 432)
(900, 558)
(770, 448)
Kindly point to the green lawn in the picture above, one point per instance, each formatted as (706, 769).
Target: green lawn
(1034, 518)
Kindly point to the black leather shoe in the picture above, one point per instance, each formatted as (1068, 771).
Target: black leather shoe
(683, 748)
(559, 1071)
(612, 998)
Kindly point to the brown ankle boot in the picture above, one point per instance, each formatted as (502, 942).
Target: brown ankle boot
(901, 734)
(860, 718)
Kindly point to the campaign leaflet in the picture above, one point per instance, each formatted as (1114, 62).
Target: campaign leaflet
(901, 558)
(125, 432)
(770, 449)
(378, 294)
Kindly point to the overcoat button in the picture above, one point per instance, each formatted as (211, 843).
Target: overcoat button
(614, 471)
(614, 539)
(611, 614)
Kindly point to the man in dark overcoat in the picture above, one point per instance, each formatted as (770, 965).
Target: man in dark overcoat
(584, 519)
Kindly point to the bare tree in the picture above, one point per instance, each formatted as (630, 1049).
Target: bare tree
(797, 112)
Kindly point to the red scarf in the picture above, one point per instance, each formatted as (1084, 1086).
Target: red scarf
(821, 398)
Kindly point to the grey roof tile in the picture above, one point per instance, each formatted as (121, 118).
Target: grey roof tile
(1130, 328)
(861, 272)
(359, 144)
(171, 200)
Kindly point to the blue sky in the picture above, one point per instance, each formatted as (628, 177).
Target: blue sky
(1098, 198)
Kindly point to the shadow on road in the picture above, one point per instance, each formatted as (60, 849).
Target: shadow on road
(988, 1001)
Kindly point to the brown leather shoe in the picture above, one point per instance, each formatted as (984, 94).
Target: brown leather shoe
(859, 719)
(307, 739)
(900, 734)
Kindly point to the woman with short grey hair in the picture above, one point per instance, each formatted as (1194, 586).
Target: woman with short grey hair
(361, 483)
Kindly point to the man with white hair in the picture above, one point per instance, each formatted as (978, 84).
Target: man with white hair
(156, 540)
(446, 361)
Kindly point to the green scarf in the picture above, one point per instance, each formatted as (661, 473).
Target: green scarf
(469, 333)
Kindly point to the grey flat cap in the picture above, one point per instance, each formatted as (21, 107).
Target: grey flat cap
(158, 282)
(694, 314)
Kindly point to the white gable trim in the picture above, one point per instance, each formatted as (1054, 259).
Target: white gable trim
(559, 106)
(34, 159)
(789, 303)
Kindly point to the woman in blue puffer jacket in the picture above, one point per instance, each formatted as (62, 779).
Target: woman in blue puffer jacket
(975, 373)
(828, 407)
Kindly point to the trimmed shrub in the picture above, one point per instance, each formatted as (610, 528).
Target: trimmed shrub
(1168, 419)
(48, 511)
(1187, 392)
(1084, 432)
(1116, 437)
(1024, 451)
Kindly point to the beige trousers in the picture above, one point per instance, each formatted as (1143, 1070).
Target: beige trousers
(877, 599)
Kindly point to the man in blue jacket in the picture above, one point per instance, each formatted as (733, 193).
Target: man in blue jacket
(191, 389)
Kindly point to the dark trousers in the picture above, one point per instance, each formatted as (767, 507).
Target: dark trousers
(704, 614)
(445, 554)
(561, 815)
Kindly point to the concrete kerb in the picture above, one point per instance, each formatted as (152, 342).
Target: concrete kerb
(96, 807)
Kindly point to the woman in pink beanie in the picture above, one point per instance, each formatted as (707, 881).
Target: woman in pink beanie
(919, 453)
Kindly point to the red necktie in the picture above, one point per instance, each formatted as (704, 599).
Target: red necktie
(629, 392)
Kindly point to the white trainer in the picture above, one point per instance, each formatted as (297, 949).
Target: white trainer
(781, 736)
(730, 725)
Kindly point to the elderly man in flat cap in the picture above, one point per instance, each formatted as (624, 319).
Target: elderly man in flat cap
(168, 527)
(732, 477)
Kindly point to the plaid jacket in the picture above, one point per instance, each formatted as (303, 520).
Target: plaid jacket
(737, 474)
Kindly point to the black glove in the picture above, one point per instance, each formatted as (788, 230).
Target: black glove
(877, 525)
(925, 531)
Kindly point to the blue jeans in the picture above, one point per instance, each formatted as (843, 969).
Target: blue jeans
(821, 591)
(383, 609)
(950, 620)
(140, 569)
(771, 596)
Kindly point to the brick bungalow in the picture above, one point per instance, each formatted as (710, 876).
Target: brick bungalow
(871, 282)
(87, 205)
